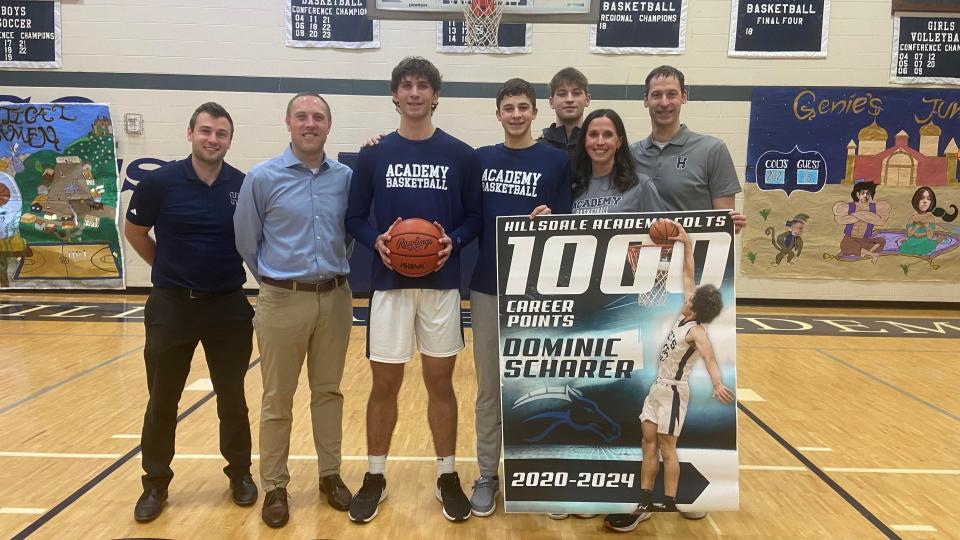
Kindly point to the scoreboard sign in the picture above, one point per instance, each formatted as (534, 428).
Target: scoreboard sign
(30, 34)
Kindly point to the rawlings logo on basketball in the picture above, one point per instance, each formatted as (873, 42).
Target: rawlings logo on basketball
(417, 244)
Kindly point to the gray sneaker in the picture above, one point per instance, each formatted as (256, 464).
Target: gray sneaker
(483, 502)
(693, 515)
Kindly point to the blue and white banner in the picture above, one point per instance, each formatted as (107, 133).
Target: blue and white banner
(630, 27)
(512, 38)
(779, 28)
(585, 313)
(30, 34)
(337, 24)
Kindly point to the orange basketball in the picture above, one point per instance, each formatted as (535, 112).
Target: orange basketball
(414, 246)
(662, 230)
(482, 7)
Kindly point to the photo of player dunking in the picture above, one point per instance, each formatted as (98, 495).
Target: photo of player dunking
(665, 407)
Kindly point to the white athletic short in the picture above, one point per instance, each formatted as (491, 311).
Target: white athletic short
(666, 406)
(397, 315)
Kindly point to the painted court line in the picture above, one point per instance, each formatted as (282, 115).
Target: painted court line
(69, 379)
(746, 394)
(814, 449)
(713, 525)
(891, 386)
(913, 528)
(201, 385)
(309, 457)
(32, 511)
(125, 436)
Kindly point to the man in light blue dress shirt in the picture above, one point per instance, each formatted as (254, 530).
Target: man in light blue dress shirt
(289, 226)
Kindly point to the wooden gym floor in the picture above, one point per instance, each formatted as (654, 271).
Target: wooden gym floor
(848, 436)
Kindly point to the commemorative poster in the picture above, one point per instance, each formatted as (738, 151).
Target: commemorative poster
(338, 24)
(512, 38)
(586, 303)
(30, 34)
(630, 27)
(779, 29)
(58, 197)
(926, 50)
(853, 184)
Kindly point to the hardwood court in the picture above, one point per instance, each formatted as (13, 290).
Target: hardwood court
(850, 436)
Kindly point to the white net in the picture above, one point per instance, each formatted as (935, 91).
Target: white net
(482, 20)
(657, 295)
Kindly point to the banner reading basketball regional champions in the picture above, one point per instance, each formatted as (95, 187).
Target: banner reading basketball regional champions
(579, 354)
(58, 197)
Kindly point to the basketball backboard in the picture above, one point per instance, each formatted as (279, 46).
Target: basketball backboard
(514, 11)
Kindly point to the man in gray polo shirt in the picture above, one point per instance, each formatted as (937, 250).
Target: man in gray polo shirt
(692, 171)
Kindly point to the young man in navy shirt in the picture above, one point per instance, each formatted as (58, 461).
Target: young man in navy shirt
(418, 171)
(519, 176)
(569, 98)
(197, 297)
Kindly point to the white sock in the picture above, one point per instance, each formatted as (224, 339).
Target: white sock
(445, 465)
(377, 464)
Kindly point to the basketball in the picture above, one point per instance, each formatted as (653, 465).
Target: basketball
(414, 246)
(482, 7)
(662, 231)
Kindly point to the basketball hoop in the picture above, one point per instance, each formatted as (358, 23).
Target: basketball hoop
(482, 21)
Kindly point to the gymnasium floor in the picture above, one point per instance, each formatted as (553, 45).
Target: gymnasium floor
(848, 429)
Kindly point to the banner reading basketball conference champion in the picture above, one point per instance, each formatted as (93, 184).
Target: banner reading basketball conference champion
(581, 329)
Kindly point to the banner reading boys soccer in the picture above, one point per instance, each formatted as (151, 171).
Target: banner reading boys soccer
(58, 197)
(584, 313)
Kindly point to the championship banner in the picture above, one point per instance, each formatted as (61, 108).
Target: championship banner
(926, 50)
(629, 27)
(512, 38)
(586, 306)
(30, 34)
(853, 184)
(58, 197)
(779, 28)
(337, 24)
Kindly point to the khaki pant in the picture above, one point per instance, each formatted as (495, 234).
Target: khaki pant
(486, 356)
(290, 326)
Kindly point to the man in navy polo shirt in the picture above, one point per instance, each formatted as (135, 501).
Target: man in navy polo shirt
(197, 297)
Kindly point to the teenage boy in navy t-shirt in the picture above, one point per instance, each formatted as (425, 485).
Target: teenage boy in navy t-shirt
(417, 171)
(519, 176)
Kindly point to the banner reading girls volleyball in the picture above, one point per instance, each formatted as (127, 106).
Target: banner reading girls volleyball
(58, 197)
(586, 315)
(853, 183)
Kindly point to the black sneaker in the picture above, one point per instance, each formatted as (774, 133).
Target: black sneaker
(456, 505)
(627, 522)
(363, 507)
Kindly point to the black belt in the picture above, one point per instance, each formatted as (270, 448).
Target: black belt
(319, 286)
(192, 293)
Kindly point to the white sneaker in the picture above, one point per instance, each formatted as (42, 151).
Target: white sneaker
(693, 515)
(558, 516)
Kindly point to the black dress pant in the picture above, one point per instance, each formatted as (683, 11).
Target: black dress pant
(175, 323)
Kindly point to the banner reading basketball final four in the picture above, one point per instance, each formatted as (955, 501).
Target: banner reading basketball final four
(593, 330)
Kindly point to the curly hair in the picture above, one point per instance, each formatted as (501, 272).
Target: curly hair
(707, 303)
(624, 173)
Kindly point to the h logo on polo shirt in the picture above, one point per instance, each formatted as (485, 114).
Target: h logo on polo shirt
(681, 163)
(233, 197)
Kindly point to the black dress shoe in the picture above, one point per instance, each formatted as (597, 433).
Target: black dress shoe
(150, 504)
(275, 511)
(338, 496)
(244, 490)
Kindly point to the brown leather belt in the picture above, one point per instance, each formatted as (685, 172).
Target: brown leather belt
(320, 286)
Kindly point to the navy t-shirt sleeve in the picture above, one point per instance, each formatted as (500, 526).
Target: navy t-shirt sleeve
(358, 203)
(472, 199)
(144, 207)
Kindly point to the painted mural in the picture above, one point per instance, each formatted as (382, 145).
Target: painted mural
(853, 183)
(58, 197)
